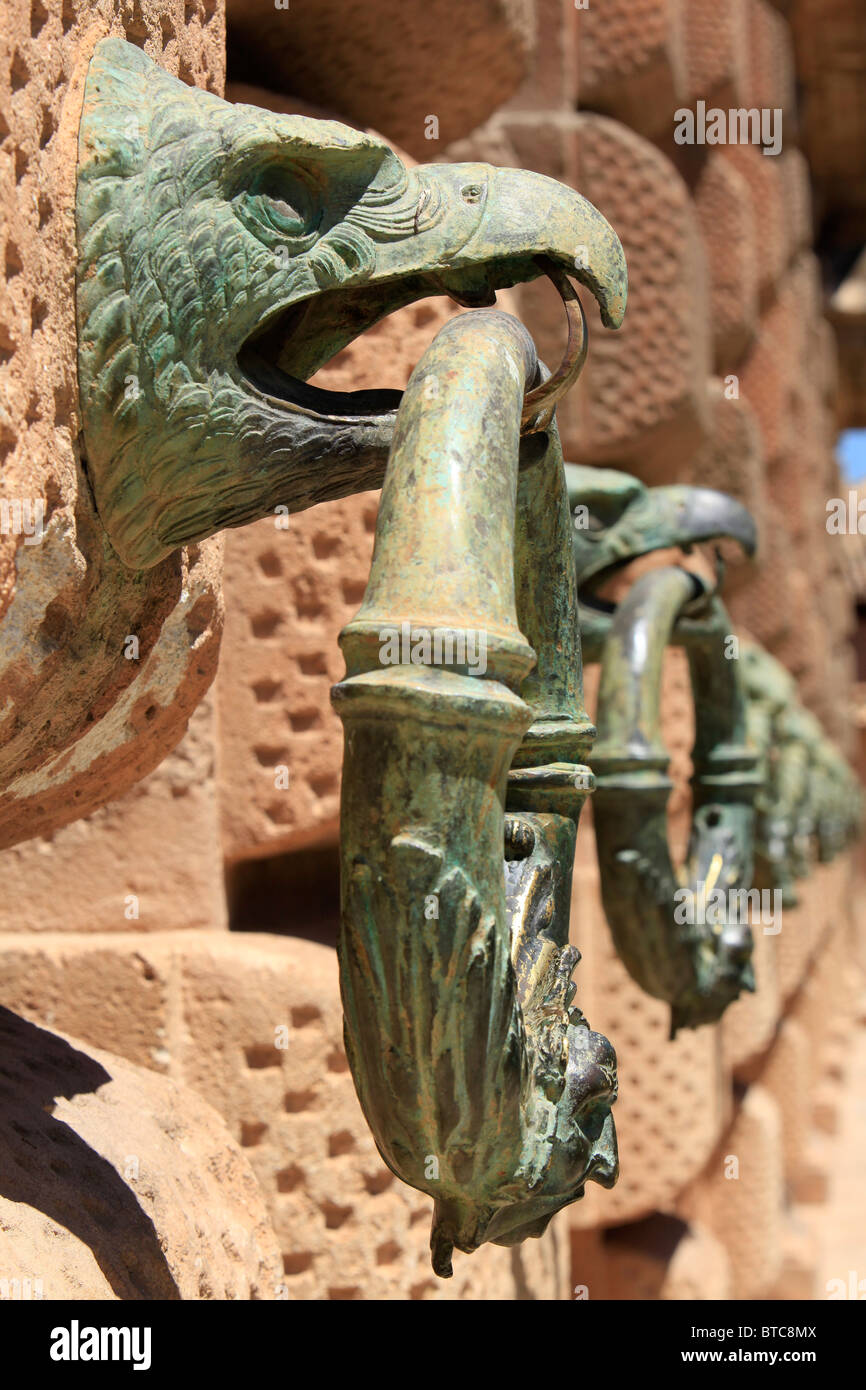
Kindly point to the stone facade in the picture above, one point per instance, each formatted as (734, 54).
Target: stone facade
(117, 929)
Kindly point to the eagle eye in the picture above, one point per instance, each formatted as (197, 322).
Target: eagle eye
(282, 203)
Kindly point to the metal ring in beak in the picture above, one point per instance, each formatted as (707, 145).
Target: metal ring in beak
(539, 403)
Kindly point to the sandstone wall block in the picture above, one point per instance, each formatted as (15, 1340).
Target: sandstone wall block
(139, 1192)
(389, 64)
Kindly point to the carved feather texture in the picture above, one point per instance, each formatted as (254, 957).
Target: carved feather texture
(172, 279)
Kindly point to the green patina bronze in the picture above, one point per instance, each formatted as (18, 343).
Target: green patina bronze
(227, 252)
(667, 925)
(838, 801)
(617, 518)
(768, 785)
(810, 804)
(771, 718)
(678, 946)
(463, 782)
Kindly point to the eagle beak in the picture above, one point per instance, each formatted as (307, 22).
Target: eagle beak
(528, 216)
(476, 229)
(683, 515)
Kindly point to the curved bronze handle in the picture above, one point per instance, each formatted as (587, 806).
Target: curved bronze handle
(810, 796)
(480, 1082)
(672, 944)
(540, 401)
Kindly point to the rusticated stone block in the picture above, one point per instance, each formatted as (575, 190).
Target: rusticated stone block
(388, 64)
(771, 72)
(253, 1023)
(797, 311)
(113, 991)
(632, 62)
(136, 1190)
(767, 189)
(761, 605)
(545, 142)
(803, 649)
(829, 1097)
(740, 1196)
(80, 721)
(288, 594)
(551, 82)
(151, 860)
(824, 353)
(748, 1024)
(796, 940)
(849, 331)
(588, 1267)
(811, 1185)
(764, 380)
(715, 39)
(826, 1001)
(797, 197)
(731, 233)
(264, 1041)
(784, 1076)
(826, 903)
(641, 399)
(731, 460)
(799, 1273)
(672, 1101)
(798, 422)
(490, 143)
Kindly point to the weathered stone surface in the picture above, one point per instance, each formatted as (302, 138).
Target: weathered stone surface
(715, 41)
(770, 57)
(764, 377)
(253, 1022)
(748, 1025)
(798, 1275)
(551, 82)
(641, 399)
(632, 62)
(203, 1006)
(288, 595)
(730, 231)
(150, 860)
(761, 605)
(347, 1227)
(75, 732)
(386, 63)
(797, 195)
(782, 1076)
(114, 990)
(745, 1212)
(847, 313)
(732, 461)
(766, 185)
(138, 1192)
